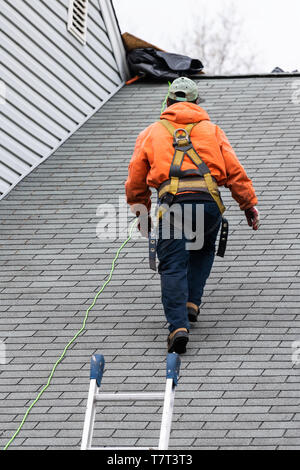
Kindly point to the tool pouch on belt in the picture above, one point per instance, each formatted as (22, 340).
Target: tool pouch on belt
(193, 180)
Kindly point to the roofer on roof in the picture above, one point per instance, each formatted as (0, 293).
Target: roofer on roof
(188, 180)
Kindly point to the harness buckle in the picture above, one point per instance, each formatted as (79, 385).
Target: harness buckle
(168, 199)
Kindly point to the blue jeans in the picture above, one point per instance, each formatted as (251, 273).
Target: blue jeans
(183, 271)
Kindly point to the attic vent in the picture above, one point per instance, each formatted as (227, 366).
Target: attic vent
(77, 19)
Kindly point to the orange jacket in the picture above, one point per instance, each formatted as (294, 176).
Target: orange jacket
(153, 154)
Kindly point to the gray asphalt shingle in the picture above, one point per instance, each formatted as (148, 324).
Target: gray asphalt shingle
(238, 387)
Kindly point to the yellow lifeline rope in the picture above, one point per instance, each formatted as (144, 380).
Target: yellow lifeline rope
(133, 225)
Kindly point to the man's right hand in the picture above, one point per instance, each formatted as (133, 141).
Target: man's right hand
(252, 216)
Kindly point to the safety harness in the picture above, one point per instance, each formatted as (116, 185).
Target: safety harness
(179, 181)
(192, 180)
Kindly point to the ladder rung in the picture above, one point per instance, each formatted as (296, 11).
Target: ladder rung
(129, 396)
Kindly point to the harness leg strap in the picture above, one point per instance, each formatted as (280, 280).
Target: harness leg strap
(152, 250)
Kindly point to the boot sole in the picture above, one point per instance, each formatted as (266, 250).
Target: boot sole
(179, 345)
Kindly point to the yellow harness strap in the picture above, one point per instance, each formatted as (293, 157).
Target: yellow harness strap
(214, 192)
(193, 183)
(174, 185)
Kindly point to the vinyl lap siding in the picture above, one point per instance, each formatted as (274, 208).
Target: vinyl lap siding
(53, 82)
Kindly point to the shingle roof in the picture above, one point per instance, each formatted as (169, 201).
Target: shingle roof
(238, 386)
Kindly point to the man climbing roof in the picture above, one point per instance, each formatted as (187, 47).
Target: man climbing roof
(186, 158)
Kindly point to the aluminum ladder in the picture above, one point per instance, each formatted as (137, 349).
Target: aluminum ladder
(95, 396)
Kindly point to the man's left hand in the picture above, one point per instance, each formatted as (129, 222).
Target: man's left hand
(252, 216)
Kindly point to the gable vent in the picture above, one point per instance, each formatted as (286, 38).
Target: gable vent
(77, 19)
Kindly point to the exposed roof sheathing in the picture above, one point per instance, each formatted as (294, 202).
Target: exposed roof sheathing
(238, 387)
(132, 42)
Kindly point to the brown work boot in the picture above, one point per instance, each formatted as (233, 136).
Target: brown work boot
(193, 312)
(177, 341)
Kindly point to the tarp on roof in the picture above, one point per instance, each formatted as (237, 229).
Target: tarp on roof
(162, 65)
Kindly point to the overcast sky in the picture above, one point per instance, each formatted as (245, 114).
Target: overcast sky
(270, 27)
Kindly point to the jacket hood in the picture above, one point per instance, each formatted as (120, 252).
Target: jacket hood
(185, 113)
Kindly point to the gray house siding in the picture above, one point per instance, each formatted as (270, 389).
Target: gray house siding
(53, 82)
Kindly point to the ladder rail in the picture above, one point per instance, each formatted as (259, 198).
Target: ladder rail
(90, 414)
(167, 414)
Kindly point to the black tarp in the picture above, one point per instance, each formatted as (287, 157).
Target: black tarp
(162, 65)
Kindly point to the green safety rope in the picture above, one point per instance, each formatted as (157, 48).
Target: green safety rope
(165, 100)
(133, 225)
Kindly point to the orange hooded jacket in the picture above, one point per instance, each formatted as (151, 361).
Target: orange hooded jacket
(153, 154)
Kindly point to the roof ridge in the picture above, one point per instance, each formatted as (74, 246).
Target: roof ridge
(254, 75)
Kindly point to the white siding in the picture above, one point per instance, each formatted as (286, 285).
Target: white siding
(54, 83)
